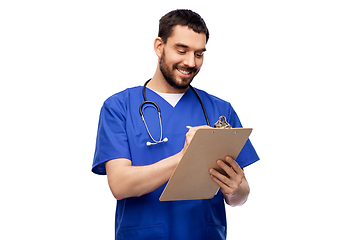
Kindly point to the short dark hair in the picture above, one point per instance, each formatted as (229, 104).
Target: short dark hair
(182, 17)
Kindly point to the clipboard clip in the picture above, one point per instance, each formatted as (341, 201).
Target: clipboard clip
(222, 123)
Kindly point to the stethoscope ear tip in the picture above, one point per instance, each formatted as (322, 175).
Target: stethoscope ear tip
(165, 139)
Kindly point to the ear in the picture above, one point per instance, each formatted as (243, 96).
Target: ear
(158, 46)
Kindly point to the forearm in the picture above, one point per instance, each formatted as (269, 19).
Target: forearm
(126, 180)
(134, 181)
(240, 196)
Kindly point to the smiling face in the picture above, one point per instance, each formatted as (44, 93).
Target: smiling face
(181, 57)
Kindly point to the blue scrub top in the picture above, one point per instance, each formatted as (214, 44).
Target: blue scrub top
(122, 134)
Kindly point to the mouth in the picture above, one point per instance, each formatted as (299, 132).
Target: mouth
(185, 73)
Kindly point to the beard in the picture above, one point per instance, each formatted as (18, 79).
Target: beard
(168, 73)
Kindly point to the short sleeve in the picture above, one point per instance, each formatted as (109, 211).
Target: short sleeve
(248, 154)
(111, 141)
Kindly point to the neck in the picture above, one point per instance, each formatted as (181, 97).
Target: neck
(159, 84)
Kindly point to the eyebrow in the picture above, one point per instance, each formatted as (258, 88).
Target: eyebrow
(185, 46)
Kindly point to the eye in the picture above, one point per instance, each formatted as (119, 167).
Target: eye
(199, 55)
(181, 52)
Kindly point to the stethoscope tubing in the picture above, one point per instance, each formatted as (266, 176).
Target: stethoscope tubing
(158, 108)
(159, 112)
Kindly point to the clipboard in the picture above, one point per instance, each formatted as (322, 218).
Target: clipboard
(191, 179)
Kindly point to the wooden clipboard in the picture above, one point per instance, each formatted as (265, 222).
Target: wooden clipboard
(191, 179)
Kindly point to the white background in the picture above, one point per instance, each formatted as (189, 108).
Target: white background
(289, 68)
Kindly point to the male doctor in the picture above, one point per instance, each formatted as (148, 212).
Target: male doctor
(138, 165)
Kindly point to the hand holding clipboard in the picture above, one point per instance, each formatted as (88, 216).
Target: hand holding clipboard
(191, 179)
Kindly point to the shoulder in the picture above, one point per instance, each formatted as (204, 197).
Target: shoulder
(118, 104)
(123, 95)
(121, 99)
(213, 99)
(217, 107)
(205, 94)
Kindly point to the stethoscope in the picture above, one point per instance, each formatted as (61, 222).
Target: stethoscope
(147, 103)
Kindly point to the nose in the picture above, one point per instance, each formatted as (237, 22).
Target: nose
(189, 60)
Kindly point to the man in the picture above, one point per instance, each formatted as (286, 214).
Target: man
(138, 166)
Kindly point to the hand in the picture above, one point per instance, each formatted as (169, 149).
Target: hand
(231, 183)
(190, 134)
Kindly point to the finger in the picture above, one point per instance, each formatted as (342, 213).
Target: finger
(194, 129)
(191, 132)
(202, 126)
(222, 178)
(235, 177)
(227, 168)
(222, 185)
(225, 189)
(235, 166)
